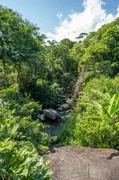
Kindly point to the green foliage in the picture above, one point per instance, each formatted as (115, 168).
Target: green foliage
(22, 64)
(35, 76)
(18, 160)
(94, 123)
(102, 84)
(113, 106)
(76, 54)
(48, 94)
(95, 120)
(20, 135)
(19, 42)
(26, 111)
(62, 66)
(101, 54)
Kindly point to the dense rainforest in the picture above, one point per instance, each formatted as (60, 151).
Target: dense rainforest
(36, 74)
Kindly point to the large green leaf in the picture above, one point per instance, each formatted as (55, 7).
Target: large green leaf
(113, 104)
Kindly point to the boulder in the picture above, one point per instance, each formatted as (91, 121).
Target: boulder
(60, 108)
(65, 106)
(42, 117)
(51, 114)
(83, 163)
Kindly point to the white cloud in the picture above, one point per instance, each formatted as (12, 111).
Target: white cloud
(59, 15)
(93, 17)
(117, 11)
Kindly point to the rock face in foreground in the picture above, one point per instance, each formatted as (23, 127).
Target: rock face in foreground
(83, 163)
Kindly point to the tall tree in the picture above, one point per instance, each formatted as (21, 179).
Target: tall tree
(19, 40)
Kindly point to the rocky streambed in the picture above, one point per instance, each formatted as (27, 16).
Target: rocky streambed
(54, 117)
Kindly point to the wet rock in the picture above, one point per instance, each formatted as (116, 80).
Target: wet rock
(42, 117)
(59, 108)
(51, 114)
(65, 106)
(61, 113)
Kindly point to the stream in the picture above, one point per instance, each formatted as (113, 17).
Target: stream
(53, 118)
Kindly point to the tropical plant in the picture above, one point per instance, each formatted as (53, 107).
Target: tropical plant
(95, 123)
(18, 160)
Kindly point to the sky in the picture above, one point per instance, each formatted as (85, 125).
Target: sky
(60, 19)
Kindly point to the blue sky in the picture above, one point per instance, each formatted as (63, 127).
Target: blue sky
(45, 14)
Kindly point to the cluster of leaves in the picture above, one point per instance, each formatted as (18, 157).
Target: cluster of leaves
(27, 112)
(43, 91)
(62, 67)
(102, 51)
(18, 159)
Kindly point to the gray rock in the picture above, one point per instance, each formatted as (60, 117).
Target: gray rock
(59, 108)
(51, 114)
(42, 117)
(61, 113)
(65, 106)
(83, 163)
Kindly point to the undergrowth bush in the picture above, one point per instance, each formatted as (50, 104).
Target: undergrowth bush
(18, 159)
(43, 91)
(26, 111)
(22, 137)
